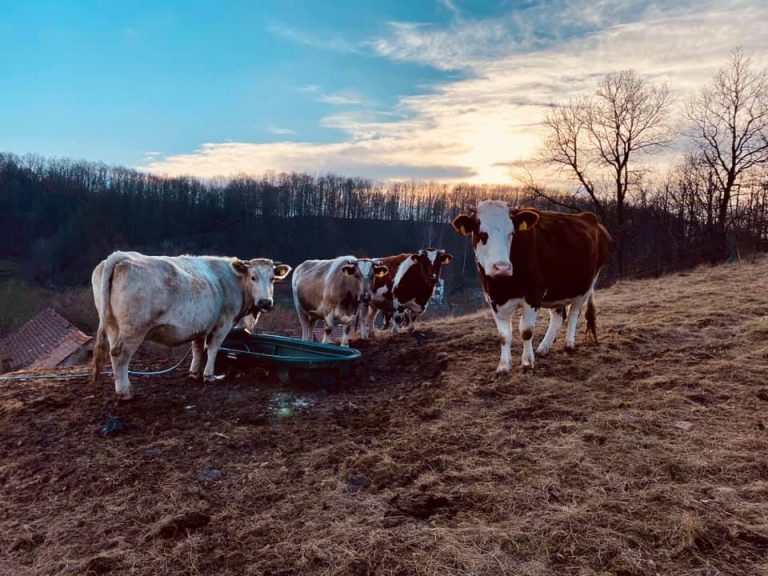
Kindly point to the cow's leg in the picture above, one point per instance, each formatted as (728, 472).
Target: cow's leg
(214, 341)
(362, 320)
(527, 322)
(198, 348)
(345, 332)
(386, 320)
(306, 326)
(328, 328)
(556, 318)
(503, 318)
(573, 318)
(396, 318)
(409, 318)
(370, 320)
(122, 349)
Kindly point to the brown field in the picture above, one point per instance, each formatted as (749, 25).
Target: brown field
(647, 454)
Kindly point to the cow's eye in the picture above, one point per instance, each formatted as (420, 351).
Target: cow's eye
(484, 237)
(253, 278)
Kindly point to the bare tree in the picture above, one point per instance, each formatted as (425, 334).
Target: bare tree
(567, 145)
(599, 135)
(729, 129)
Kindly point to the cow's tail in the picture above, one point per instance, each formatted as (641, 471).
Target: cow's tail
(104, 309)
(591, 316)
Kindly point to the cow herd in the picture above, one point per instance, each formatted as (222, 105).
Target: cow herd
(524, 257)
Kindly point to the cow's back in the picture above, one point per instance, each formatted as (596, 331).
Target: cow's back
(383, 286)
(307, 283)
(173, 297)
(562, 254)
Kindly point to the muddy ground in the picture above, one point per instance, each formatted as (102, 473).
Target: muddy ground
(644, 455)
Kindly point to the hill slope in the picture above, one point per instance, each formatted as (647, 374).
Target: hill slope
(645, 454)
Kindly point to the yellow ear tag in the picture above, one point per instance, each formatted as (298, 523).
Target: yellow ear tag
(463, 231)
(523, 226)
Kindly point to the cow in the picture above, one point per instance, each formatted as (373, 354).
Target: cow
(371, 269)
(333, 289)
(403, 293)
(173, 300)
(536, 259)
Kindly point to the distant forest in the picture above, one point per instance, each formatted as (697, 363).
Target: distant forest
(58, 218)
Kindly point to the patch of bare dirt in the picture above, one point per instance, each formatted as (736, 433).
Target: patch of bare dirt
(643, 455)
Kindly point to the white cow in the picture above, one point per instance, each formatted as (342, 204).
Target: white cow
(173, 300)
(333, 289)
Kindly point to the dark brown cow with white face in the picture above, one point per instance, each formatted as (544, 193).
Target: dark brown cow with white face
(536, 259)
(403, 293)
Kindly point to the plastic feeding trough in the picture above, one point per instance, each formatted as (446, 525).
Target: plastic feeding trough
(290, 360)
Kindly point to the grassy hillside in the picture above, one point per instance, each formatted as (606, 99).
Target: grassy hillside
(643, 455)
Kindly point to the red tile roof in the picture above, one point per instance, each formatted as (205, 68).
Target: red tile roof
(43, 342)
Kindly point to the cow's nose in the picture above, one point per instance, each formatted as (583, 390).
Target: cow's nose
(265, 304)
(366, 297)
(501, 269)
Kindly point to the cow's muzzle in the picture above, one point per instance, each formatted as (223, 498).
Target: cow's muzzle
(501, 269)
(265, 304)
(365, 297)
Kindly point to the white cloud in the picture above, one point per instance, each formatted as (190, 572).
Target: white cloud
(341, 99)
(277, 130)
(389, 159)
(474, 126)
(450, 5)
(331, 43)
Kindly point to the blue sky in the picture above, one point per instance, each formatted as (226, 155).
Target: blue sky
(443, 89)
(115, 80)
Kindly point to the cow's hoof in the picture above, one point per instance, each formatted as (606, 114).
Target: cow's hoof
(194, 375)
(213, 378)
(125, 396)
(527, 369)
(570, 350)
(542, 351)
(501, 372)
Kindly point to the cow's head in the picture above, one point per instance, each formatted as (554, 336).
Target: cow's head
(492, 227)
(364, 271)
(257, 277)
(370, 270)
(429, 262)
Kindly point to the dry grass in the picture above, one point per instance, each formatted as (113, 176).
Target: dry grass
(643, 455)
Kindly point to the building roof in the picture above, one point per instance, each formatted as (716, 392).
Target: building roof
(44, 341)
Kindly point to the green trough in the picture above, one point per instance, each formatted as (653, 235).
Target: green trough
(290, 360)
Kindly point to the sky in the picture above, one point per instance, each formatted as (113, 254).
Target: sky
(445, 90)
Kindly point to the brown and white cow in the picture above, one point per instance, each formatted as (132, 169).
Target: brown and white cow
(174, 300)
(535, 259)
(403, 293)
(333, 289)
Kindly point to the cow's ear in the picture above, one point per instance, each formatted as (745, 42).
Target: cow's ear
(464, 224)
(415, 257)
(282, 270)
(348, 269)
(446, 258)
(380, 271)
(240, 266)
(525, 220)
